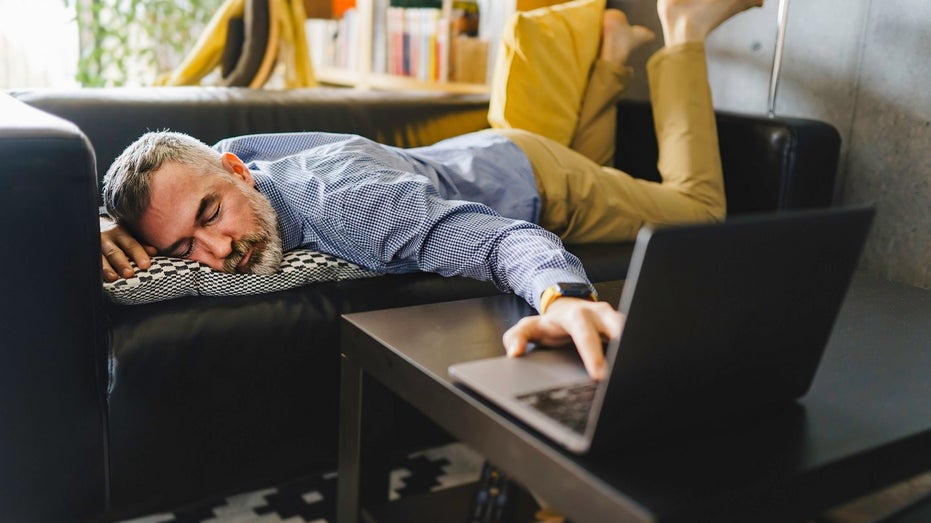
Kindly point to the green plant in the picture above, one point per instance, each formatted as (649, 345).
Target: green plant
(132, 41)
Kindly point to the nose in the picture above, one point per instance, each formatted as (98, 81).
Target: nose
(217, 246)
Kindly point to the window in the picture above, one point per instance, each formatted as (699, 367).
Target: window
(69, 43)
(38, 44)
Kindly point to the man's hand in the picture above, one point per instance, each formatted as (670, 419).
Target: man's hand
(117, 247)
(586, 323)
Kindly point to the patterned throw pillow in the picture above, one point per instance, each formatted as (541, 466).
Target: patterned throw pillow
(169, 278)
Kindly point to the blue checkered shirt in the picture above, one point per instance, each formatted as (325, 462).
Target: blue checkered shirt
(462, 207)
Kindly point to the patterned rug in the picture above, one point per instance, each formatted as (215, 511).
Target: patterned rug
(313, 499)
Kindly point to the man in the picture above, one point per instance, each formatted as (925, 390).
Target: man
(434, 208)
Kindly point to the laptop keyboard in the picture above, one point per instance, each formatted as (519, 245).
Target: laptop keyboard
(568, 405)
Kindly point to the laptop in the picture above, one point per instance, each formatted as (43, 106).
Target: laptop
(720, 319)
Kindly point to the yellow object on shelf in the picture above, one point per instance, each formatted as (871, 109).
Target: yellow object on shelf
(286, 43)
(206, 54)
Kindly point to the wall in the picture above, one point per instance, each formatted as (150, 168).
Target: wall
(861, 65)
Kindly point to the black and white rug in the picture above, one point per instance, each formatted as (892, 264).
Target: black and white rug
(313, 499)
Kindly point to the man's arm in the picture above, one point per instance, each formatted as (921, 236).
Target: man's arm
(117, 248)
(456, 238)
(534, 260)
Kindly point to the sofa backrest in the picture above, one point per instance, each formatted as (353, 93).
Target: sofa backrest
(769, 164)
(114, 118)
(52, 357)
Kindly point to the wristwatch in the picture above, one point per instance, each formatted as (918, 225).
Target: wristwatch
(570, 289)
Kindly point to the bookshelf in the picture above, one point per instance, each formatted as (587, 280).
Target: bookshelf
(446, 45)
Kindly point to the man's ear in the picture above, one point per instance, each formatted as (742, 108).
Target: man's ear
(234, 166)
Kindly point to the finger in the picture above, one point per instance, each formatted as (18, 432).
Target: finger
(516, 338)
(118, 260)
(589, 324)
(109, 275)
(135, 251)
(588, 343)
(607, 319)
(538, 329)
(607, 323)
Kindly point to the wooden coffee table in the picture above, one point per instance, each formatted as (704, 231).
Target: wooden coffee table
(865, 424)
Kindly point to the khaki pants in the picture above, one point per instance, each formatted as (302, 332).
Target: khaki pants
(584, 201)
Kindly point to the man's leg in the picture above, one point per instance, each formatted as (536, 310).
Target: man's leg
(584, 202)
(594, 134)
(689, 156)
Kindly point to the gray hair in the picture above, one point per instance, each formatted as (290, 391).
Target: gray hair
(126, 184)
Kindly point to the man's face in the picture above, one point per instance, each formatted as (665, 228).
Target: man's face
(218, 219)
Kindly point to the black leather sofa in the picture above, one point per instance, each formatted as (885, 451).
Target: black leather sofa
(110, 411)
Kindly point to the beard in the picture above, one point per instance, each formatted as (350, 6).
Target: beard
(265, 242)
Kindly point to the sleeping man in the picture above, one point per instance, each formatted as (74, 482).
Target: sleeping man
(492, 205)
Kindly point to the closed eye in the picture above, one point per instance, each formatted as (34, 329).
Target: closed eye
(209, 201)
(190, 246)
(187, 252)
(213, 217)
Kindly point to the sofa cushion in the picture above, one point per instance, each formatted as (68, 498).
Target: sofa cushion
(169, 278)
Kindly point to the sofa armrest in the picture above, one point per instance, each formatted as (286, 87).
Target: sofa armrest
(770, 164)
(52, 357)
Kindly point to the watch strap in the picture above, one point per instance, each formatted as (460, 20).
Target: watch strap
(554, 292)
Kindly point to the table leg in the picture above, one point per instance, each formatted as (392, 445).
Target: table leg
(350, 424)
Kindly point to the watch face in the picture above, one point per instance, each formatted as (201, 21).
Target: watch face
(582, 290)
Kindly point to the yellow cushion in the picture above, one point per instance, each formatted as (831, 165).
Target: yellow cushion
(543, 66)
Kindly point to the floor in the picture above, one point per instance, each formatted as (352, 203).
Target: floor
(447, 467)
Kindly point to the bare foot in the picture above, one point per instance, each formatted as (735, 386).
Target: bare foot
(692, 20)
(619, 38)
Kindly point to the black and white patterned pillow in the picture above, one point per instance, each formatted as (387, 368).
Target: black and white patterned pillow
(170, 278)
